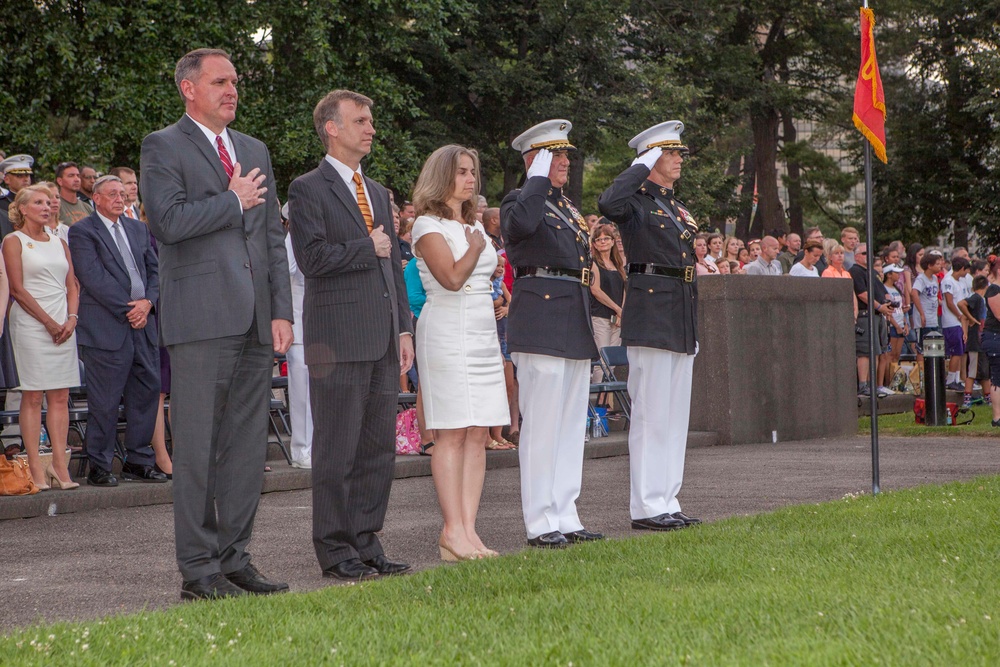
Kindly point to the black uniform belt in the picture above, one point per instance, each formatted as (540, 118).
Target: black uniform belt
(685, 273)
(581, 276)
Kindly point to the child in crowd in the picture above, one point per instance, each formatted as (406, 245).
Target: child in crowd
(973, 308)
(924, 296)
(953, 290)
(892, 276)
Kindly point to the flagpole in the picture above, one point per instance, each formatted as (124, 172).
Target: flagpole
(872, 330)
(873, 337)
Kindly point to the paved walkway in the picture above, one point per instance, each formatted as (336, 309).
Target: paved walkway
(109, 561)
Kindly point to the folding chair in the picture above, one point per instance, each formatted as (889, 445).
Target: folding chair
(614, 357)
(278, 411)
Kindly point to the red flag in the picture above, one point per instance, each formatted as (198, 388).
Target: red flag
(869, 99)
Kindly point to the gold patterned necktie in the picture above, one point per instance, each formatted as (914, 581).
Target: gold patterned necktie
(366, 211)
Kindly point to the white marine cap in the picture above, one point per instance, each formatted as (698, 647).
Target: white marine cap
(665, 135)
(552, 134)
(17, 164)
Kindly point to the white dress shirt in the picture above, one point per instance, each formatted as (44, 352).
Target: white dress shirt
(347, 174)
(111, 230)
(226, 141)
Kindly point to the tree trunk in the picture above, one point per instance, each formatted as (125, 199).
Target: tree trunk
(770, 212)
(793, 178)
(511, 177)
(746, 209)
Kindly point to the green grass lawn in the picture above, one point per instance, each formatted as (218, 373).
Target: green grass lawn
(904, 424)
(905, 578)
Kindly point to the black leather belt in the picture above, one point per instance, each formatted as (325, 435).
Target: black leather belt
(685, 273)
(581, 276)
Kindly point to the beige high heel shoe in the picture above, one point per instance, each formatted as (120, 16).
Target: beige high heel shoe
(55, 482)
(449, 556)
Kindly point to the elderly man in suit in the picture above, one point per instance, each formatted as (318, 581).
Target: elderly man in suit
(358, 338)
(117, 334)
(225, 309)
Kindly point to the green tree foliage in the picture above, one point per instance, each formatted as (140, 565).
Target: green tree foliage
(87, 79)
(369, 47)
(942, 85)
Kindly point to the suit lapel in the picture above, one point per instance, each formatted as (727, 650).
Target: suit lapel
(379, 215)
(339, 188)
(199, 139)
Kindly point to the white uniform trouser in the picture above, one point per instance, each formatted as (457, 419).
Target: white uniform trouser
(659, 384)
(553, 399)
(298, 405)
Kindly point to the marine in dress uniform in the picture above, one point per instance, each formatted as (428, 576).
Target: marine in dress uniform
(659, 321)
(15, 173)
(549, 335)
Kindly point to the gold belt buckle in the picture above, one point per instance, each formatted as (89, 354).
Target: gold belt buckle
(689, 274)
(585, 277)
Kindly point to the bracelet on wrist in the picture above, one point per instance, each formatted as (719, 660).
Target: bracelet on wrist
(73, 315)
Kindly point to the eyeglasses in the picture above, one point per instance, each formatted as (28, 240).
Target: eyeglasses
(112, 197)
(603, 238)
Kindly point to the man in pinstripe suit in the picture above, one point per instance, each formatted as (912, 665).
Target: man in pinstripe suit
(358, 338)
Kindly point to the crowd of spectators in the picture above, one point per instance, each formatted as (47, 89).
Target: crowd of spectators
(41, 348)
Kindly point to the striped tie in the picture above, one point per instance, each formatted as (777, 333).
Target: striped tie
(227, 162)
(366, 211)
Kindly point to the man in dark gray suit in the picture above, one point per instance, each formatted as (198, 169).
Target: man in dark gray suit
(117, 269)
(225, 309)
(358, 338)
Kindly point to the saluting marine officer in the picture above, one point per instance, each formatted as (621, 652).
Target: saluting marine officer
(659, 321)
(549, 335)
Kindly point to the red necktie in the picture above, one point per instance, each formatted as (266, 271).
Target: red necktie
(227, 162)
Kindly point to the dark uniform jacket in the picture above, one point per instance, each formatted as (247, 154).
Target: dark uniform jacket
(660, 312)
(547, 315)
(5, 226)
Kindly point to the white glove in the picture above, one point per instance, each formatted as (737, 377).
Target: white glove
(649, 158)
(541, 164)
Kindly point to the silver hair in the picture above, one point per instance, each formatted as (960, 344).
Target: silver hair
(100, 183)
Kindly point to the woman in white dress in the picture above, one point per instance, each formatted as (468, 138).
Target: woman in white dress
(42, 327)
(458, 353)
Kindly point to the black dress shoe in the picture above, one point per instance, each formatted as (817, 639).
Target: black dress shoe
(661, 522)
(101, 477)
(252, 581)
(386, 566)
(688, 520)
(351, 569)
(212, 587)
(553, 540)
(136, 472)
(582, 535)
(158, 469)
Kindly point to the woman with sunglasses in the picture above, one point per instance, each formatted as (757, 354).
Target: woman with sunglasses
(607, 289)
